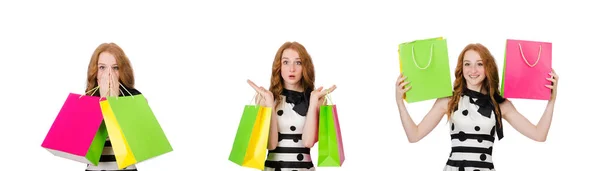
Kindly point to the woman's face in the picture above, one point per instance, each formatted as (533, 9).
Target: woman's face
(473, 69)
(291, 68)
(107, 63)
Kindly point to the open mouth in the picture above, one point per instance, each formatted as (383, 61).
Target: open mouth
(474, 76)
(292, 76)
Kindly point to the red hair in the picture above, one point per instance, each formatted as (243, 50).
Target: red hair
(308, 70)
(489, 84)
(125, 70)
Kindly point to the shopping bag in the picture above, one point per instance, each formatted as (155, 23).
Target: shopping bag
(250, 144)
(331, 147)
(78, 132)
(134, 131)
(426, 66)
(526, 67)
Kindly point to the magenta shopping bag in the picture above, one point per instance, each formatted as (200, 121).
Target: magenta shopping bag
(78, 132)
(526, 67)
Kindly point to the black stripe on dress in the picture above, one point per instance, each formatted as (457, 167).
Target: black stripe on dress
(108, 158)
(472, 150)
(290, 136)
(479, 137)
(464, 163)
(285, 164)
(290, 150)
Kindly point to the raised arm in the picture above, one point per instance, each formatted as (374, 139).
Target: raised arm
(415, 132)
(310, 134)
(266, 99)
(537, 132)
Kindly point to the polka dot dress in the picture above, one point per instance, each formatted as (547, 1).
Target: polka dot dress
(472, 134)
(290, 154)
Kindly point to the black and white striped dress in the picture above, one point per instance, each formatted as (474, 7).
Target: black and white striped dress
(473, 127)
(108, 161)
(290, 153)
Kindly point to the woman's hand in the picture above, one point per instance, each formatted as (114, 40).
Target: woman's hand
(318, 94)
(401, 87)
(267, 96)
(109, 84)
(554, 79)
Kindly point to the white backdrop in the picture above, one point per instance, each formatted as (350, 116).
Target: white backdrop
(191, 60)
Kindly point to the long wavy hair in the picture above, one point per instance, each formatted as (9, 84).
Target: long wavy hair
(489, 84)
(308, 70)
(125, 70)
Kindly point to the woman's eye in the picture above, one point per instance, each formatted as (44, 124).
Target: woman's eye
(285, 62)
(101, 67)
(298, 63)
(467, 64)
(480, 64)
(115, 68)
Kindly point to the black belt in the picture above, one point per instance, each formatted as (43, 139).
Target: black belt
(108, 158)
(285, 164)
(465, 163)
(461, 136)
(294, 137)
(472, 150)
(290, 150)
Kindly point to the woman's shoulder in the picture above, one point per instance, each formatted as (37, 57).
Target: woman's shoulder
(443, 100)
(442, 103)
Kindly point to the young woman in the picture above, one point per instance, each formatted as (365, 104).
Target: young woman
(475, 112)
(295, 107)
(110, 69)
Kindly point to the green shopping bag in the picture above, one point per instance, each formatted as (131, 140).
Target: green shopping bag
(134, 132)
(331, 147)
(250, 145)
(425, 64)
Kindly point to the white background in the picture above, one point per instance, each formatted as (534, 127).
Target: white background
(191, 60)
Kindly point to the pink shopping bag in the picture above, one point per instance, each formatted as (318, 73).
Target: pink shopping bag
(78, 132)
(526, 67)
(339, 135)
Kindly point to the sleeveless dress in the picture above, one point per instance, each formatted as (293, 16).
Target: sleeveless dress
(290, 154)
(473, 126)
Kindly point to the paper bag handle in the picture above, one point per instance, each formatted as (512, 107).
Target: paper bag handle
(93, 89)
(125, 90)
(536, 61)
(254, 98)
(430, 57)
(327, 96)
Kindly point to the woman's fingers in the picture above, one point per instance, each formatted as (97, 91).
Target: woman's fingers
(400, 80)
(256, 88)
(404, 84)
(330, 89)
(552, 80)
(407, 88)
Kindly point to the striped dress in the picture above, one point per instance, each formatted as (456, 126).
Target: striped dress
(473, 129)
(290, 153)
(108, 161)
